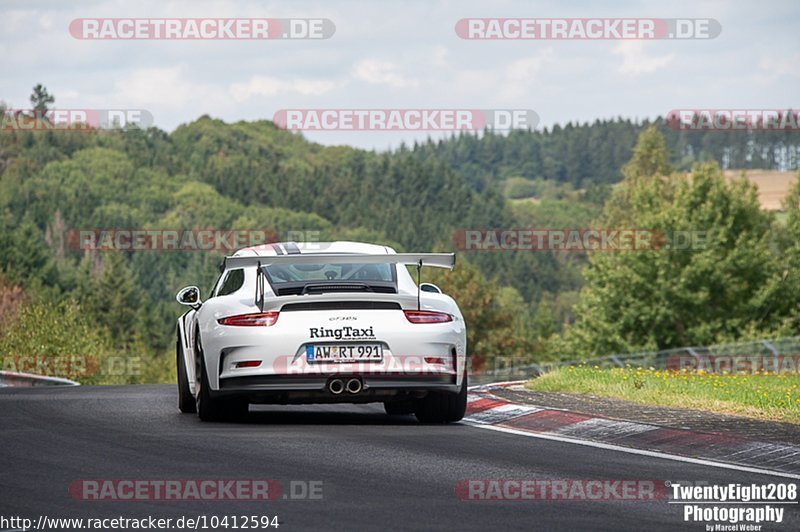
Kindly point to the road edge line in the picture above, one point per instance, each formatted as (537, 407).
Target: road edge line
(631, 450)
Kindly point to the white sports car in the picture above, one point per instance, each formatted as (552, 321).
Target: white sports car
(320, 323)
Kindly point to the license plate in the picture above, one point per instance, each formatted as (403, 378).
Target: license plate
(344, 353)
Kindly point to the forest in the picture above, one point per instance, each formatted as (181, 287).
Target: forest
(60, 300)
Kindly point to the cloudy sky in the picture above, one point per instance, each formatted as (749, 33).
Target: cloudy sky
(393, 54)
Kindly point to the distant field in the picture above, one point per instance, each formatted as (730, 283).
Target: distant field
(772, 185)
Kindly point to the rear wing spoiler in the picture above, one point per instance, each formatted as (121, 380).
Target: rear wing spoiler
(437, 260)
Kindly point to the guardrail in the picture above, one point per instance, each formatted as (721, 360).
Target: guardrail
(777, 348)
(14, 379)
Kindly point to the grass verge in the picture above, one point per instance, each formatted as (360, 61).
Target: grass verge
(769, 396)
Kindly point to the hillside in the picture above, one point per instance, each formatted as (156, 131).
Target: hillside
(591, 154)
(209, 174)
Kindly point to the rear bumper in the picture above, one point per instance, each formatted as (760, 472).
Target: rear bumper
(265, 359)
(304, 389)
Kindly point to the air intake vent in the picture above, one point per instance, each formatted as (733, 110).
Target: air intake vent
(384, 289)
(338, 287)
(290, 291)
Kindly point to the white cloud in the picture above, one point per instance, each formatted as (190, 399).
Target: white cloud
(377, 72)
(165, 90)
(773, 68)
(154, 86)
(440, 56)
(636, 61)
(269, 86)
(526, 68)
(68, 94)
(519, 78)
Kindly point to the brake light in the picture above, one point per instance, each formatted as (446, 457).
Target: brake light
(261, 319)
(427, 316)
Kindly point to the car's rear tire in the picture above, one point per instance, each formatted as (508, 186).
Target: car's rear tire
(186, 401)
(211, 408)
(437, 407)
(399, 408)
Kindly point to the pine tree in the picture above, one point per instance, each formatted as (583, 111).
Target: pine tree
(41, 99)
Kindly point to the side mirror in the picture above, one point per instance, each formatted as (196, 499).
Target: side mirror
(189, 296)
(430, 287)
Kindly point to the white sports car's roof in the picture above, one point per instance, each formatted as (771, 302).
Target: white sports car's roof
(290, 248)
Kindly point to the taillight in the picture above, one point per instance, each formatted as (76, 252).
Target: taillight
(427, 316)
(261, 319)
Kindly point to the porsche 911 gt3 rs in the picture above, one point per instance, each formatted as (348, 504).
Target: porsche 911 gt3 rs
(320, 323)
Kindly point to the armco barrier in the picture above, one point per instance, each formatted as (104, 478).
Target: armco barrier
(780, 349)
(26, 380)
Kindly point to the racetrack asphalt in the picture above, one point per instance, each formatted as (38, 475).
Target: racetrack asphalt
(377, 472)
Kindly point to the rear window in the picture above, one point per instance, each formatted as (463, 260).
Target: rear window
(292, 273)
(298, 279)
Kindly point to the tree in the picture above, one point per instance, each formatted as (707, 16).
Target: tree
(41, 99)
(650, 156)
(712, 278)
(495, 334)
(72, 344)
(648, 168)
(116, 303)
(790, 283)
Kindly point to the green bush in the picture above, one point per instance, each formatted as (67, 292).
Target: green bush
(58, 340)
(519, 187)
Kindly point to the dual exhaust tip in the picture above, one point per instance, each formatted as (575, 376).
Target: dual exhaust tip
(339, 386)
